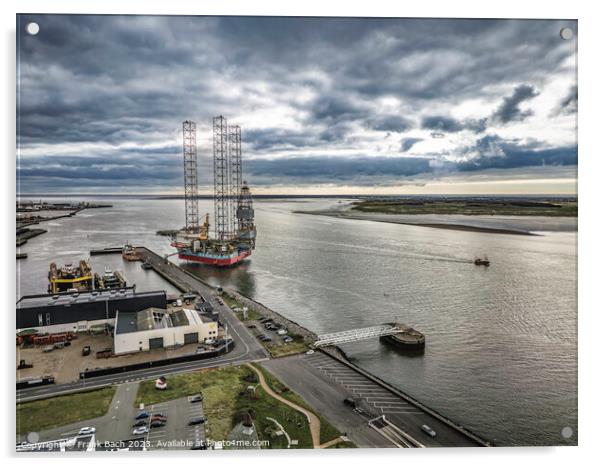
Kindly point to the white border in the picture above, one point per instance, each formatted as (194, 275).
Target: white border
(589, 194)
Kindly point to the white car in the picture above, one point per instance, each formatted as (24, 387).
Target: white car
(140, 430)
(87, 430)
(210, 341)
(310, 352)
(282, 332)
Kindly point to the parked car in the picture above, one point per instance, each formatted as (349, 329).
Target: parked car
(350, 402)
(142, 415)
(86, 351)
(87, 430)
(196, 398)
(140, 430)
(210, 341)
(282, 331)
(157, 423)
(287, 339)
(139, 423)
(196, 420)
(428, 430)
(310, 351)
(159, 418)
(267, 339)
(252, 326)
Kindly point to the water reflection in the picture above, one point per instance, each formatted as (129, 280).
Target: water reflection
(239, 277)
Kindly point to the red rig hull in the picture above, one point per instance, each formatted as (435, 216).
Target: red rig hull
(215, 260)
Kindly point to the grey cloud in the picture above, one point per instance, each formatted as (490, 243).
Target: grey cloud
(568, 105)
(408, 143)
(389, 123)
(442, 123)
(509, 109)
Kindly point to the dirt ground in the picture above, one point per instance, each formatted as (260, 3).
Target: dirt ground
(66, 364)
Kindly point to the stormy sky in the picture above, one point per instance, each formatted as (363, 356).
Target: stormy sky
(337, 105)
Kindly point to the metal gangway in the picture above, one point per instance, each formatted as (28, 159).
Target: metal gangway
(359, 334)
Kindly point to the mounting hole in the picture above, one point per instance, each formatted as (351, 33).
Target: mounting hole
(566, 33)
(566, 432)
(32, 28)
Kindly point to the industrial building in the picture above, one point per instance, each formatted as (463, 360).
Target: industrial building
(79, 312)
(156, 328)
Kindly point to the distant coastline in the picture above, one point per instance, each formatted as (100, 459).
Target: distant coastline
(444, 226)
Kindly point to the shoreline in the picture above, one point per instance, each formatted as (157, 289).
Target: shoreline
(444, 226)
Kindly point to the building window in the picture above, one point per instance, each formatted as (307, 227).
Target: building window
(48, 318)
(40, 320)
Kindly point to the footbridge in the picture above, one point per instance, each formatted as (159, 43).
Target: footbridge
(359, 334)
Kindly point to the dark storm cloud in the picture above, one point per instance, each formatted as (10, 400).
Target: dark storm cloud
(127, 82)
(442, 123)
(408, 143)
(516, 156)
(491, 152)
(452, 125)
(330, 169)
(509, 110)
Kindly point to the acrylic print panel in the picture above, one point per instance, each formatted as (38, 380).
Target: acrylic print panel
(277, 232)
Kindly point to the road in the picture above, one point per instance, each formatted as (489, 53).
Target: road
(323, 382)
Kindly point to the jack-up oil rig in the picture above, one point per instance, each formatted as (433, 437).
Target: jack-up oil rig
(234, 233)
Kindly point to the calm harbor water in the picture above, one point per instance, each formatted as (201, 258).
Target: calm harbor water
(501, 354)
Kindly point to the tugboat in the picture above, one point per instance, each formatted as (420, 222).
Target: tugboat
(129, 253)
(484, 261)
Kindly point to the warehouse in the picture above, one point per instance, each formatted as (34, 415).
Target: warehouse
(157, 328)
(78, 312)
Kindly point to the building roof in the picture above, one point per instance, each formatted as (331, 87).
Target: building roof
(149, 319)
(81, 297)
(179, 318)
(154, 318)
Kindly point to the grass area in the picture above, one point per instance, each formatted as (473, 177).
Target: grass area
(279, 349)
(57, 411)
(546, 208)
(327, 431)
(220, 389)
(226, 398)
(232, 302)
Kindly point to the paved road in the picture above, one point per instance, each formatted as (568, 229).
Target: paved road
(324, 383)
(246, 347)
(114, 425)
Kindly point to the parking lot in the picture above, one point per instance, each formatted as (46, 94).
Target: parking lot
(176, 434)
(269, 332)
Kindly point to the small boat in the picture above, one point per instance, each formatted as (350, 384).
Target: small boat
(484, 261)
(146, 265)
(129, 253)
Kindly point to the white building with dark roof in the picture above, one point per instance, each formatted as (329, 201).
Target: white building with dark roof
(157, 328)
